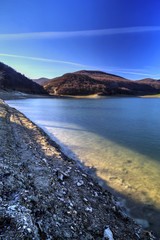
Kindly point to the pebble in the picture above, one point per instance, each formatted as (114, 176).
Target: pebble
(58, 224)
(91, 184)
(89, 209)
(84, 175)
(13, 207)
(80, 183)
(60, 176)
(137, 235)
(74, 211)
(29, 230)
(71, 204)
(68, 170)
(108, 235)
(114, 208)
(40, 225)
(44, 159)
(95, 194)
(85, 200)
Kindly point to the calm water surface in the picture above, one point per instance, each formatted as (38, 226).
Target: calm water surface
(120, 137)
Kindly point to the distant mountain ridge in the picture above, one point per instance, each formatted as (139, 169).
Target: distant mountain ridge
(41, 81)
(81, 83)
(148, 80)
(96, 82)
(12, 80)
(98, 74)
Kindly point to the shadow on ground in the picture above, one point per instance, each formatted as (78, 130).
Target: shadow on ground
(44, 193)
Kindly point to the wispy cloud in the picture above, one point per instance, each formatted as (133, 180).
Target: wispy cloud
(106, 69)
(85, 33)
(132, 72)
(42, 59)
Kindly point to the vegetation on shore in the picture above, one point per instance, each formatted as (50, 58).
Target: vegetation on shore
(98, 83)
(81, 83)
(12, 80)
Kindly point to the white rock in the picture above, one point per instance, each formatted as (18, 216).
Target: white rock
(13, 207)
(80, 183)
(29, 230)
(95, 194)
(88, 209)
(60, 176)
(108, 235)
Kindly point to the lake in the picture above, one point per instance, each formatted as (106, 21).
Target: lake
(118, 137)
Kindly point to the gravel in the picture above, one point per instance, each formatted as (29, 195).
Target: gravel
(45, 195)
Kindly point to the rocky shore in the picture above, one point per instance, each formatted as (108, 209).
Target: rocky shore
(45, 195)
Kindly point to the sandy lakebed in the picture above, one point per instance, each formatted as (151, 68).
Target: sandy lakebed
(46, 195)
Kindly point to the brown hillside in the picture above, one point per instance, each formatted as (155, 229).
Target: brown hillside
(41, 81)
(152, 82)
(100, 75)
(12, 80)
(96, 82)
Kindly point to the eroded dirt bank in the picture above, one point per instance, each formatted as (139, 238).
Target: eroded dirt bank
(44, 195)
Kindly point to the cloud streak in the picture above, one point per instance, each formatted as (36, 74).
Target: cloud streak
(106, 69)
(42, 59)
(85, 33)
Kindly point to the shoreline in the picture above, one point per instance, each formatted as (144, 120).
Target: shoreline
(151, 96)
(11, 95)
(45, 194)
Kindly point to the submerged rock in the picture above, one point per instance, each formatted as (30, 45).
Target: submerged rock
(44, 195)
(143, 222)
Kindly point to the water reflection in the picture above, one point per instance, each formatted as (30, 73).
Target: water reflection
(118, 136)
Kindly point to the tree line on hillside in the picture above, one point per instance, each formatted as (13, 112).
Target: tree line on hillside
(10, 79)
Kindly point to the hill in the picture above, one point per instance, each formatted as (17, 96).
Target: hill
(41, 81)
(12, 80)
(152, 82)
(97, 82)
(148, 80)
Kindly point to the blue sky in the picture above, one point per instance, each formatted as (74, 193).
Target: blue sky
(49, 38)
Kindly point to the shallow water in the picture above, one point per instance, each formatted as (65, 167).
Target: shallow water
(118, 136)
